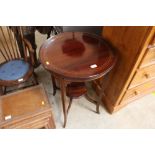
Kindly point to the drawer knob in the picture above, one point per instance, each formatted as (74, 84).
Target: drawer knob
(147, 75)
(136, 92)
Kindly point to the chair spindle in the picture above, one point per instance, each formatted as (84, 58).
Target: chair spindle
(4, 36)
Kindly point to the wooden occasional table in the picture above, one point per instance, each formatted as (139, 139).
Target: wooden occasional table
(28, 108)
(76, 57)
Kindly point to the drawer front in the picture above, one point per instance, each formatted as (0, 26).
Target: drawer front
(149, 58)
(139, 91)
(143, 75)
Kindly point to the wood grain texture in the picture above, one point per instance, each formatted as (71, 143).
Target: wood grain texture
(24, 108)
(131, 43)
(128, 50)
(149, 58)
(143, 75)
(76, 89)
(77, 56)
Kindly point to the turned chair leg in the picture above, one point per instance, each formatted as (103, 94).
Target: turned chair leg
(70, 103)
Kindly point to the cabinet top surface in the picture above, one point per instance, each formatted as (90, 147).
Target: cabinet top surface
(77, 55)
(22, 103)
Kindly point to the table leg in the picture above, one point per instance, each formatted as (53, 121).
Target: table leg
(54, 85)
(98, 103)
(98, 100)
(70, 103)
(63, 98)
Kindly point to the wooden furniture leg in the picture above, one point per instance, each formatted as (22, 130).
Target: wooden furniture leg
(54, 85)
(70, 103)
(98, 103)
(63, 98)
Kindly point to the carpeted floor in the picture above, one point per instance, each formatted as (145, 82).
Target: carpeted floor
(138, 114)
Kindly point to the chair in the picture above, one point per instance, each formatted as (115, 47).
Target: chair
(14, 68)
(29, 35)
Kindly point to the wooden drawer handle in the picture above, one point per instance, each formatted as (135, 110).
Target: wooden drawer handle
(136, 92)
(147, 75)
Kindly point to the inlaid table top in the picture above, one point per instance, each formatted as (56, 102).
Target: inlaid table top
(77, 56)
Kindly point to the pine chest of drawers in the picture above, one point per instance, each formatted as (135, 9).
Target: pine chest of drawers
(134, 73)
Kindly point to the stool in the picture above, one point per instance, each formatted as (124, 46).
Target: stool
(25, 109)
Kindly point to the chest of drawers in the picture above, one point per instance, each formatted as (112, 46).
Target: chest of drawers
(134, 73)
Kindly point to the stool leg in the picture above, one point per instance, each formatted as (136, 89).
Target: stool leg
(70, 103)
(54, 85)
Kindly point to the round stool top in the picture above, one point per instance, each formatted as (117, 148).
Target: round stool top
(77, 56)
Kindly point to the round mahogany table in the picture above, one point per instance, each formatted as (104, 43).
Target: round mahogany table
(76, 57)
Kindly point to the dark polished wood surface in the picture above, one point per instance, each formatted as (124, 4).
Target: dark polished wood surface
(76, 89)
(77, 56)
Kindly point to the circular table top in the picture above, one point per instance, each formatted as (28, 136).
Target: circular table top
(77, 56)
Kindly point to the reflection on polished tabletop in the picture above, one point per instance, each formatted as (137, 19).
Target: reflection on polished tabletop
(77, 55)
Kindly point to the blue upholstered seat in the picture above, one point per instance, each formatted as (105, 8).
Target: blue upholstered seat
(13, 70)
